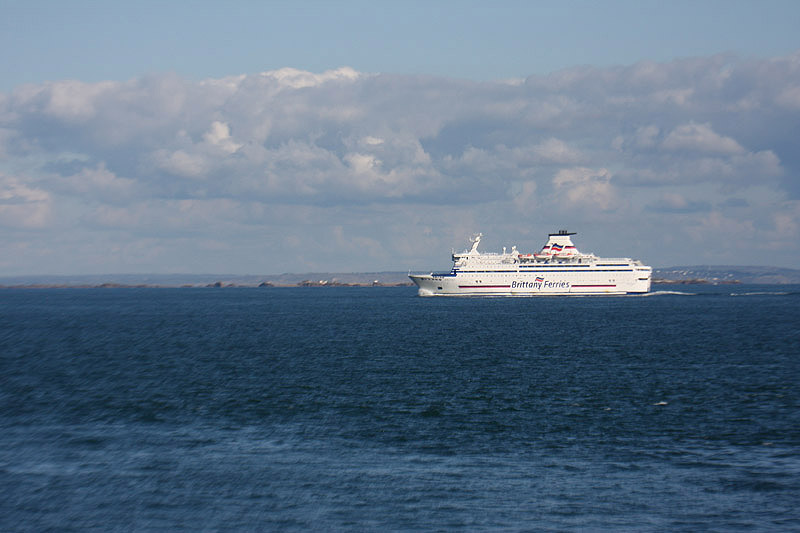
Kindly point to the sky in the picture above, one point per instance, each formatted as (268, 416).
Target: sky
(253, 137)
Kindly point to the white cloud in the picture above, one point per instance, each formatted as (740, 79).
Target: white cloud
(372, 141)
(181, 163)
(525, 199)
(22, 206)
(69, 100)
(790, 98)
(678, 97)
(586, 187)
(786, 223)
(99, 183)
(674, 201)
(700, 138)
(6, 136)
(646, 136)
(379, 155)
(219, 135)
(555, 151)
(300, 79)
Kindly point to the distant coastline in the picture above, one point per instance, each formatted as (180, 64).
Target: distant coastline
(725, 275)
(218, 284)
(694, 281)
(682, 275)
(133, 281)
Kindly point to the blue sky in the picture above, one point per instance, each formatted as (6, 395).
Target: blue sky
(98, 40)
(266, 137)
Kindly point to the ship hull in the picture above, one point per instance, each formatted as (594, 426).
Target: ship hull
(633, 280)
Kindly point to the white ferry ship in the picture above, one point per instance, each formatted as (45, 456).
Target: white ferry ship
(559, 269)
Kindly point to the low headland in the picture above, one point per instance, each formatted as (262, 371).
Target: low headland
(110, 281)
(683, 275)
(722, 275)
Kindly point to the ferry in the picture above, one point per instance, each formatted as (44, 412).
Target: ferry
(558, 269)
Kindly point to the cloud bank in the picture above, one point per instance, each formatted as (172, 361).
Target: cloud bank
(687, 162)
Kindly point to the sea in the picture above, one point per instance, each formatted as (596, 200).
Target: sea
(372, 409)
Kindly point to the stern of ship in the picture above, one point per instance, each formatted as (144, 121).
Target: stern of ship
(643, 278)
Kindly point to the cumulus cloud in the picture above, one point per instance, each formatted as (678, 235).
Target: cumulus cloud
(670, 202)
(789, 98)
(96, 183)
(525, 198)
(586, 187)
(181, 163)
(219, 135)
(555, 151)
(700, 138)
(299, 79)
(382, 156)
(787, 222)
(22, 206)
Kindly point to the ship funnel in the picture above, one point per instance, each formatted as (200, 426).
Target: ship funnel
(559, 244)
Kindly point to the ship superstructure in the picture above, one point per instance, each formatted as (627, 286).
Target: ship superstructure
(557, 269)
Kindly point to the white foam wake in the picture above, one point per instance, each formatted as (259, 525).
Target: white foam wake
(665, 293)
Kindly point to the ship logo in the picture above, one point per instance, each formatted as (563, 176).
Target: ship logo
(539, 279)
(556, 247)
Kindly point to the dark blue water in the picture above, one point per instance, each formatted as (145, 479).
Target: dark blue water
(372, 409)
